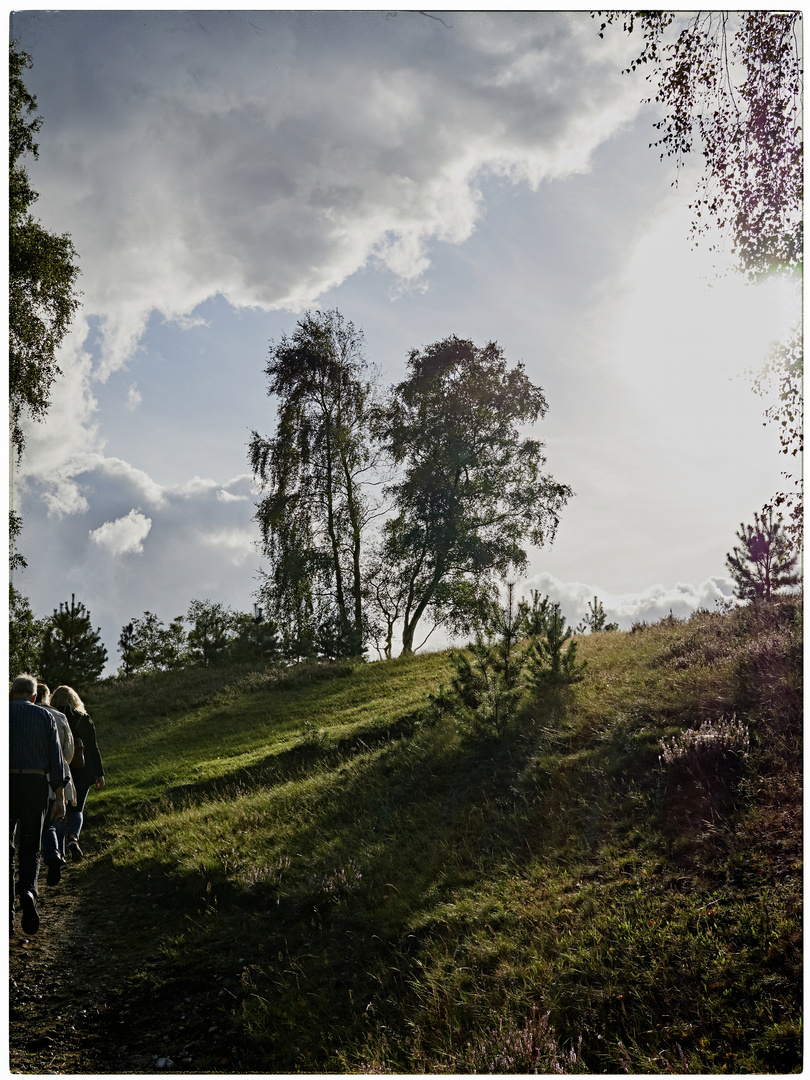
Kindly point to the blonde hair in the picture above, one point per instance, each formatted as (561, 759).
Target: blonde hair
(66, 696)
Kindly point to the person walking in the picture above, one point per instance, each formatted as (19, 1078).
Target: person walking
(53, 846)
(35, 759)
(86, 767)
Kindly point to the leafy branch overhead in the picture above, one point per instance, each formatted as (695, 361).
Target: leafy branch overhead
(42, 271)
(730, 84)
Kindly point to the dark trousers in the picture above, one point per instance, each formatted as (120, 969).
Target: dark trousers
(29, 803)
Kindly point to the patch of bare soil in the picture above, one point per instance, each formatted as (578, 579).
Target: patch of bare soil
(93, 992)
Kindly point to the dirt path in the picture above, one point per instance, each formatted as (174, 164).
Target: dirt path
(92, 991)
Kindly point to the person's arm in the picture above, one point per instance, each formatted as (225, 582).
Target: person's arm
(95, 755)
(59, 808)
(58, 771)
(68, 746)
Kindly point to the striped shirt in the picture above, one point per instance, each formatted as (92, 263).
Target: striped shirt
(34, 743)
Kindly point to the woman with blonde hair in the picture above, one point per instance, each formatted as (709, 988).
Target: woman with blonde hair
(86, 766)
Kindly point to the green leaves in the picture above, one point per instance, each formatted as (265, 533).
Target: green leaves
(42, 273)
(731, 87)
(315, 469)
(518, 650)
(72, 652)
(470, 491)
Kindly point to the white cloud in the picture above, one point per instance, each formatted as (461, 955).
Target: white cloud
(134, 397)
(125, 535)
(227, 496)
(649, 605)
(237, 543)
(341, 140)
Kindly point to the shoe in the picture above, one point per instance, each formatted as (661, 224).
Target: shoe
(55, 870)
(30, 915)
(75, 851)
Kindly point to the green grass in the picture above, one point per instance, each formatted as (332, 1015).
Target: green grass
(381, 890)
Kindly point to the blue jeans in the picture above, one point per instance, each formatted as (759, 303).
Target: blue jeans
(52, 845)
(74, 818)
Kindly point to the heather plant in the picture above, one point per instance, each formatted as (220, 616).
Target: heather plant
(702, 767)
(529, 1050)
(704, 750)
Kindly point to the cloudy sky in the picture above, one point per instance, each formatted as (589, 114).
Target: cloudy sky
(483, 175)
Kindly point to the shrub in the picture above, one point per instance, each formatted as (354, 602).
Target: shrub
(530, 1049)
(551, 666)
(704, 751)
(702, 768)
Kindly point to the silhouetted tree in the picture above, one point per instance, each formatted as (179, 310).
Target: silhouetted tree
(72, 652)
(154, 646)
(730, 85)
(596, 619)
(210, 633)
(255, 637)
(316, 507)
(763, 563)
(471, 491)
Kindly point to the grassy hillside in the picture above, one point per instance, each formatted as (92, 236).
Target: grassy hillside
(374, 888)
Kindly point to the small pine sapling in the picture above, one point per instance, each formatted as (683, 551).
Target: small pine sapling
(763, 562)
(553, 666)
(596, 619)
(490, 686)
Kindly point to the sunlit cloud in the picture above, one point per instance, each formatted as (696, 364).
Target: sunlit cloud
(125, 536)
(649, 605)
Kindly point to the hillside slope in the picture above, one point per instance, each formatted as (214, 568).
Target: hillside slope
(324, 873)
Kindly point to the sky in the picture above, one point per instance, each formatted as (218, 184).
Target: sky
(485, 175)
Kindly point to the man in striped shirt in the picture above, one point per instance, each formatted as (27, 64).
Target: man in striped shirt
(35, 757)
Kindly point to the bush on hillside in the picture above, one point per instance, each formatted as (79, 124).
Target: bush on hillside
(702, 767)
(703, 752)
(518, 650)
(531, 1049)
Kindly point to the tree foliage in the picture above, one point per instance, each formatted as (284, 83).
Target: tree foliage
(782, 378)
(488, 680)
(552, 661)
(520, 652)
(147, 644)
(471, 492)
(316, 507)
(730, 85)
(763, 563)
(596, 619)
(253, 637)
(210, 633)
(42, 271)
(25, 635)
(72, 652)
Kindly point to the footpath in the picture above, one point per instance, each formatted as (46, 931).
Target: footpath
(94, 992)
